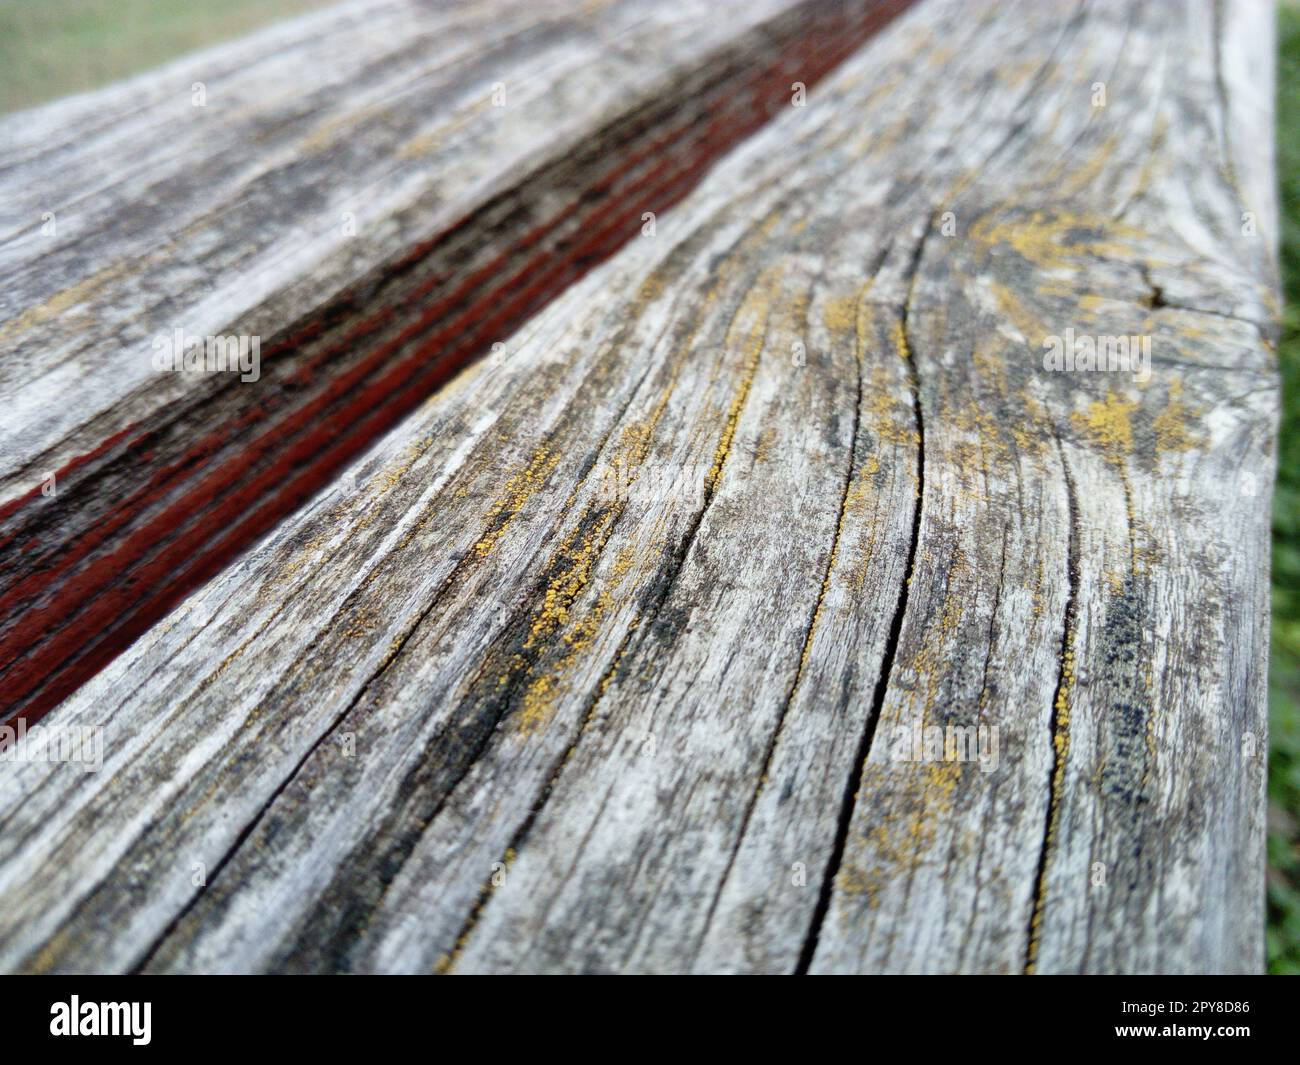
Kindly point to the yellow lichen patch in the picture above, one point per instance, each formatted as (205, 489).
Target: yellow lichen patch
(1036, 418)
(544, 689)
(340, 127)
(906, 840)
(1051, 239)
(992, 367)
(853, 882)
(1170, 425)
(941, 782)
(841, 314)
(364, 622)
(935, 658)
(857, 500)
(60, 303)
(391, 477)
(292, 567)
(1155, 160)
(860, 488)
(765, 445)
(538, 703)
(983, 414)
(1061, 738)
(572, 568)
(518, 490)
(826, 583)
(52, 952)
(1108, 425)
(576, 562)
(850, 315)
(887, 416)
(756, 309)
(901, 346)
(1036, 591)
(982, 447)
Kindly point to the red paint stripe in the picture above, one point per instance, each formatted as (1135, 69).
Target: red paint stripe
(206, 448)
(19, 594)
(72, 610)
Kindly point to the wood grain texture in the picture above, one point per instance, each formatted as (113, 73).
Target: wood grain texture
(603, 659)
(379, 194)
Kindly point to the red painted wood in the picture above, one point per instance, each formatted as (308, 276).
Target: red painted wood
(69, 604)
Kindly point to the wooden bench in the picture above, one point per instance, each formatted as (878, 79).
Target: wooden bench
(784, 592)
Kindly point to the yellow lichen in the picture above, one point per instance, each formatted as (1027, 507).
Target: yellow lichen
(1170, 425)
(517, 491)
(1108, 425)
(756, 308)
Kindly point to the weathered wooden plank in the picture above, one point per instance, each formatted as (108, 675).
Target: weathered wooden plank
(611, 657)
(1134, 509)
(374, 195)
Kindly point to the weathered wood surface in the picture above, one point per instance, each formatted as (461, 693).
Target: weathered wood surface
(378, 193)
(601, 661)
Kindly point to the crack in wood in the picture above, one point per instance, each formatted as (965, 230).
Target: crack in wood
(1060, 721)
(854, 783)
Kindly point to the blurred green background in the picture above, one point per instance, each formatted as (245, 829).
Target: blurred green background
(49, 48)
(1284, 670)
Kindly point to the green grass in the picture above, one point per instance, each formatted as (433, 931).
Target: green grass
(51, 48)
(1284, 672)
